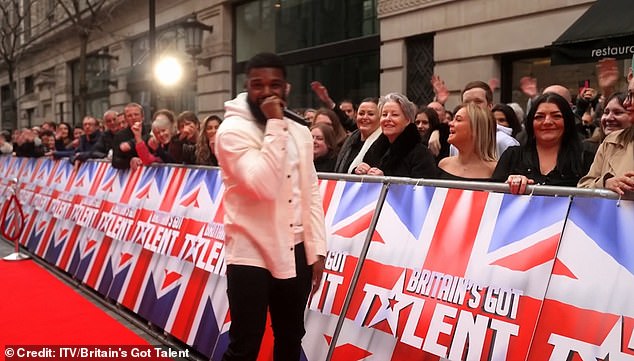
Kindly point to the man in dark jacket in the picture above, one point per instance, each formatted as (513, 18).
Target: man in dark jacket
(88, 141)
(123, 151)
(182, 147)
(104, 144)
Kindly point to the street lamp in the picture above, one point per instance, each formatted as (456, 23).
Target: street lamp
(194, 38)
(168, 71)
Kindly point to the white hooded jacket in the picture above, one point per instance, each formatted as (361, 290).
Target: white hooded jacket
(256, 174)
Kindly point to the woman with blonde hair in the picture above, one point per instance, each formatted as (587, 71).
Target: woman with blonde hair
(472, 132)
(155, 148)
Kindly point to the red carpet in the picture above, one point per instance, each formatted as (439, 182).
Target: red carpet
(36, 308)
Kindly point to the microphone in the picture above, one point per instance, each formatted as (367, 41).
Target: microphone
(294, 116)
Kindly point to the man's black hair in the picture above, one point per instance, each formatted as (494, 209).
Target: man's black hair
(266, 60)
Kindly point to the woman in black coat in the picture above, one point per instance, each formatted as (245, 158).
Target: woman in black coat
(398, 151)
(553, 154)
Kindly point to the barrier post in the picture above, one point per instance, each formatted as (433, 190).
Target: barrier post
(19, 219)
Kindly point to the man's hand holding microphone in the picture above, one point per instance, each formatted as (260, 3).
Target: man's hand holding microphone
(273, 107)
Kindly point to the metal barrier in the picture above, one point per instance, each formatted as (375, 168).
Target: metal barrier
(538, 190)
(17, 217)
(384, 183)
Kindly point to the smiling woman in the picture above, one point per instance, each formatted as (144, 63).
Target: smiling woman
(613, 166)
(614, 118)
(398, 151)
(324, 147)
(553, 154)
(472, 132)
(357, 144)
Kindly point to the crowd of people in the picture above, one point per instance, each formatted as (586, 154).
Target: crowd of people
(121, 137)
(554, 144)
(563, 140)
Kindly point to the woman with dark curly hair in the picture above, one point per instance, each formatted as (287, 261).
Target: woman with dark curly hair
(553, 154)
(206, 141)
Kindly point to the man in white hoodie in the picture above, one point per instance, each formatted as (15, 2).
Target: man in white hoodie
(274, 222)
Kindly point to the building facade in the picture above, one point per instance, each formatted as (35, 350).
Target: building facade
(357, 48)
(478, 40)
(336, 42)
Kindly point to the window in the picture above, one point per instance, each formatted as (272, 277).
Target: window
(333, 41)
(29, 86)
(98, 94)
(297, 24)
(536, 64)
(9, 115)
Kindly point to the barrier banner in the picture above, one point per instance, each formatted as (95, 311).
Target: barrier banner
(88, 179)
(14, 220)
(89, 255)
(14, 167)
(43, 172)
(200, 310)
(30, 194)
(61, 176)
(102, 219)
(348, 209)
(62, 241)
(86, 210)
(43, 227)
(449, 274)
(185, 272)
(152, 293)
(121, 210)
(201, 192)
(588, 312)
(166, 262)
(457, 274)
(28, 169)
(5, 166)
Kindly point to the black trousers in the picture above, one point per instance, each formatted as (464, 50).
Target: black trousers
(251, 290)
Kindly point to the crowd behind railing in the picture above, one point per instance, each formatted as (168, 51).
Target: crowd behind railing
(587, 143)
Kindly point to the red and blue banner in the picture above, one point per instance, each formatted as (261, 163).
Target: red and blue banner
(442, 273)
(588, 312)
(453, 277)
